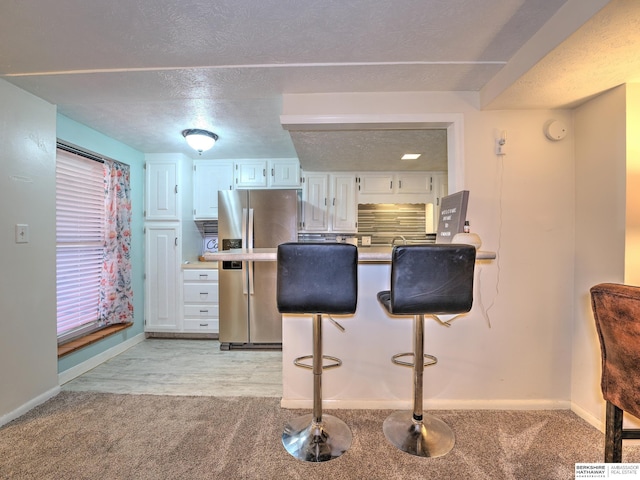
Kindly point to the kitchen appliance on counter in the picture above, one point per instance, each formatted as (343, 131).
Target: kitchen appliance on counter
(249, 316)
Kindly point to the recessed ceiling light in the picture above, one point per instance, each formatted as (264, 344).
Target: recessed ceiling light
(410, 156)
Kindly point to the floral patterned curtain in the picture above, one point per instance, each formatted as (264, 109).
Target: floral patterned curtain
(116, 292)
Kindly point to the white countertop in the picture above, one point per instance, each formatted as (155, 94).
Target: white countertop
(365, 254)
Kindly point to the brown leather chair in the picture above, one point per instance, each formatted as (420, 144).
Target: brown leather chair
(616, 309)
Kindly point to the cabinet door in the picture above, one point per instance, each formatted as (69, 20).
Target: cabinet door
(344, 207)
(316, 213)
(414, 182)
(162, 264)
(284, 173)
(161, 190)
(251, 173)
(439, 189)
(209, 176)
(376, 183)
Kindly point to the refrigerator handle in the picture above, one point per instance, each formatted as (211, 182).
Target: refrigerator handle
(250, 245)
(244, 228)
(250, 232)
(245, 270)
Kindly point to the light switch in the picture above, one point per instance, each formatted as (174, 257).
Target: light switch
(22, 233)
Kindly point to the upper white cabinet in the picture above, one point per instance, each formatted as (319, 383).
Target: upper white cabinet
(267, 173)
(251, 173)
(284, 173)
(344, 206)
(162, 198)
(404, 187)
(414, 182)
(329, 203)
(210, 176)
(315, 197)
(375, 183)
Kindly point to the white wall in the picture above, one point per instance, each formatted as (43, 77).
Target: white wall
(522, 206)
(601, 231)
(28, 353)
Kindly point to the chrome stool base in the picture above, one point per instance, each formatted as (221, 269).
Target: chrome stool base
(316, 442)
(430, 437)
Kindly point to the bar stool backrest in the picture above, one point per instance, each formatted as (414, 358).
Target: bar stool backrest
(317, 278)
(432, 279)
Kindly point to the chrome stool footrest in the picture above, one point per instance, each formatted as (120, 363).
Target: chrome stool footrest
(298, 362)
(431, 359)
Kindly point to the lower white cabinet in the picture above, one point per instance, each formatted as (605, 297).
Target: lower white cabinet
(162, 270)
(200, 298)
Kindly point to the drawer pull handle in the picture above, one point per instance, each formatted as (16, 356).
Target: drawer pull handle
(205, 276)
(204, 293)
(204, 324)
(204, 311)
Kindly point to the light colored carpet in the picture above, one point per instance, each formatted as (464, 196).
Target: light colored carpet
(87, 435)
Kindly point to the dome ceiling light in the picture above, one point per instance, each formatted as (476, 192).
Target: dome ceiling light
(199, 140)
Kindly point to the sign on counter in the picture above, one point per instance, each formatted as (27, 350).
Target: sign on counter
(453, 213)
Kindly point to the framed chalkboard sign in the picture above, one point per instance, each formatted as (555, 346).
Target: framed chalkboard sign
(453, 213)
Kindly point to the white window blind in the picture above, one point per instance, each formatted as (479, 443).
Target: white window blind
(80, 220)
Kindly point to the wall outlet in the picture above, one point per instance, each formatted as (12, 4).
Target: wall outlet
(366, 241)
(22, 233)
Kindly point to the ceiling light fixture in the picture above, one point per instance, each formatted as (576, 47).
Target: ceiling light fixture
(411, 156)
(200, 140)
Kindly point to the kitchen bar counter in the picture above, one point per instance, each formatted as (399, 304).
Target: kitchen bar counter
(365, 254)
(367, 378)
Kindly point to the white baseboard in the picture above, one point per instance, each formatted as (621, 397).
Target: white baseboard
(434, 404)
(588, 417)
(34, 402)
(93, 362)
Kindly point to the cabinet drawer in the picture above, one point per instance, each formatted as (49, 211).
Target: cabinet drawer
(201, 275)
(201, 293)
(208, 325)
(204, 312)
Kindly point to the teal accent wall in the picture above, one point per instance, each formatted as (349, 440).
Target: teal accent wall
(82, 136)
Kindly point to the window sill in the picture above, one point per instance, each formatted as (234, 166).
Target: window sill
(82, 342)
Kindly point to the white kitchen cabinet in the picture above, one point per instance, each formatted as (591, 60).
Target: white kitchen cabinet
(329, 203)
(251, 173)
(344, 206)
(396, 187)
(210, 176)
(162, 199)
(162, 270)
(267, 173)
(315, 197)
(284, 173)
(200, 297)
(375, 183)
(413, 182)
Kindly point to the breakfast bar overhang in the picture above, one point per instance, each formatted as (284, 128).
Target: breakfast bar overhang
(368, 379)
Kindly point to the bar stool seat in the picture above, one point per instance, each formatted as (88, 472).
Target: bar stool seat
(432, 279)
(317, 279)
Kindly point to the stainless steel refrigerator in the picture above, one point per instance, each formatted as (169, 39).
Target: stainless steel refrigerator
(249, 315)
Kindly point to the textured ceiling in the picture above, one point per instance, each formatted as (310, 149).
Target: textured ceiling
(141, 72)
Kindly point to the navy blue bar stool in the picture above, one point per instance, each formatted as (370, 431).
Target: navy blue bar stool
(317, 279)
(432, 279)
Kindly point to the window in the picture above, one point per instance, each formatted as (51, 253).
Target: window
(93, 268)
